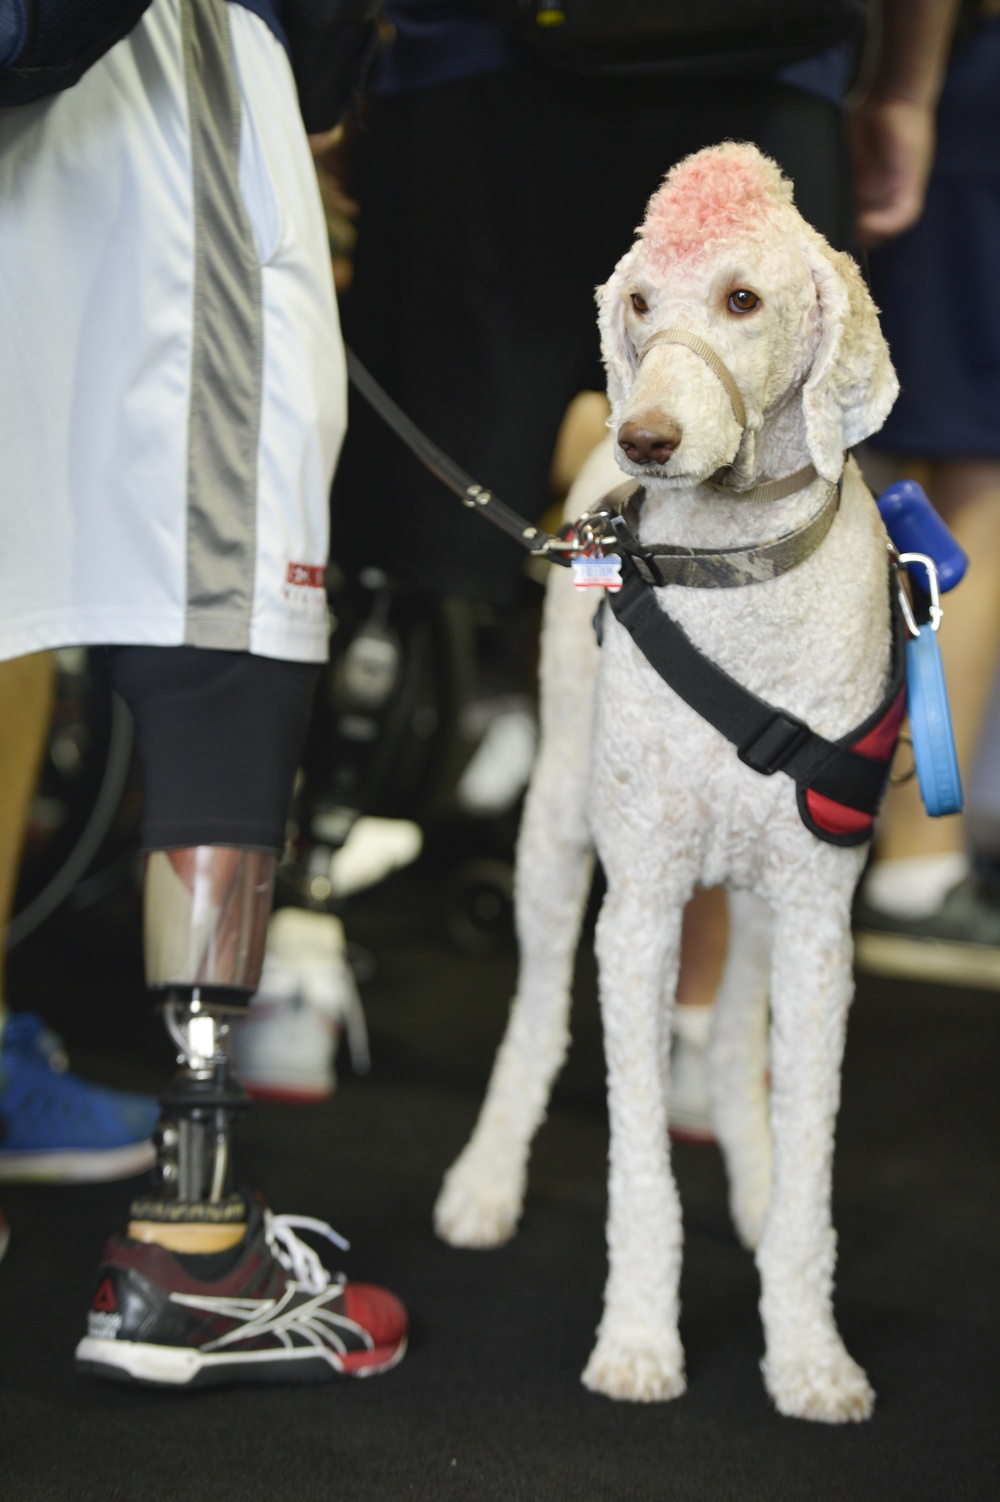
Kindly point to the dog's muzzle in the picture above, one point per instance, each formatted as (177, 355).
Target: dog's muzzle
(714, 361)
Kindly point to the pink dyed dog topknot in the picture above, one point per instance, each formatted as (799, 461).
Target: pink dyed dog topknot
(721, 193)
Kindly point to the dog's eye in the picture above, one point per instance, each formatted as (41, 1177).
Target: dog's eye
(639, 303)
(742, 301)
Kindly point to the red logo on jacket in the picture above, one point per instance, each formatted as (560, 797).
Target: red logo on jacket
(308, 575)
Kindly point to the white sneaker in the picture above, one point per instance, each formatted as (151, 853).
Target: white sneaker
(688, 1104)
(285, 1047)
(374, 848)
(501, 764)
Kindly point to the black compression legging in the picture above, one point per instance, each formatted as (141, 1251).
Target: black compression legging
(219, 736)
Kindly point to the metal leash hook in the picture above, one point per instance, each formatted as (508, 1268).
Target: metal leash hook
(933, 585)
(900, 560)
(582, 545)
(579, 537)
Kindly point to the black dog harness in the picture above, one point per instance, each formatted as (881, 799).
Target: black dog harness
(839, 784)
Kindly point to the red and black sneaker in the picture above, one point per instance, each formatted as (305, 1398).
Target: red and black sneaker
(266, 1311)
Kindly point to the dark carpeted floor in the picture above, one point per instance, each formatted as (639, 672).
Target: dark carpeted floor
(488, 1404)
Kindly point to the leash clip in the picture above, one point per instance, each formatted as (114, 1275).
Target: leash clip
(582, 545)
(903, 560)
(581, 536)
(933, 585)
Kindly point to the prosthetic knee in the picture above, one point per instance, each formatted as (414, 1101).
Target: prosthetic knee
(206, 914)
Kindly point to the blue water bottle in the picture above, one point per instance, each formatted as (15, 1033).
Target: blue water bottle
(915, 527)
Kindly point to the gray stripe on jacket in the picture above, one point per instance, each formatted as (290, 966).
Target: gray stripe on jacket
(227, 347)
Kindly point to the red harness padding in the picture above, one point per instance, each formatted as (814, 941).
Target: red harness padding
(839, 784)
(838, 823)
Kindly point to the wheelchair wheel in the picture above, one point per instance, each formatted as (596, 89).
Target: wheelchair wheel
(80, 788)
(383, 738)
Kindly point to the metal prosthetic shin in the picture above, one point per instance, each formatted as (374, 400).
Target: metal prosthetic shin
(206, 914)
(193, 1134)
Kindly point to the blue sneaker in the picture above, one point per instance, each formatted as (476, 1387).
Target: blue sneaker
(57, 1128)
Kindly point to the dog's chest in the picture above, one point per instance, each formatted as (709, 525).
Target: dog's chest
(814, 643)
(658, 765)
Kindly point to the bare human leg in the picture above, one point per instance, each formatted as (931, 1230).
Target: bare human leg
(26, 690)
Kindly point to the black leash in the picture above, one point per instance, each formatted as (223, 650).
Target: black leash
(440, 464)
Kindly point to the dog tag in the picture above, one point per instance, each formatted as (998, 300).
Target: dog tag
(597, 571)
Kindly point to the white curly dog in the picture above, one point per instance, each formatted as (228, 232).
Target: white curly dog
(625, 765)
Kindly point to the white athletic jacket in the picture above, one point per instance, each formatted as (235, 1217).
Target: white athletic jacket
(172, 389)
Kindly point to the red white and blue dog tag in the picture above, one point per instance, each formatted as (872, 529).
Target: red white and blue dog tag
(597, 570)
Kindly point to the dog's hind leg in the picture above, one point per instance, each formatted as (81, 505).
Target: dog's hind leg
(483, 1192)
(638, 1354)
(808, 1372)
(738, 1062)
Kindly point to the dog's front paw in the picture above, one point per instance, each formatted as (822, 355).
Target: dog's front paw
(636, 1371)
(828, 1386)
(476, 1209)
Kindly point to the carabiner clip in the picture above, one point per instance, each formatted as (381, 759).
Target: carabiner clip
(933, 588)
(896, 559)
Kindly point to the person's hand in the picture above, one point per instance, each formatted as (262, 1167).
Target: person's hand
(333, 152)
(892, 143)
(324, 140)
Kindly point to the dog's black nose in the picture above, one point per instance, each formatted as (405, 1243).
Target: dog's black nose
(648, 443)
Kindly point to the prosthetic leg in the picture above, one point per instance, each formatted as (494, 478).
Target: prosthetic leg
(205, 928)
(208, 1285)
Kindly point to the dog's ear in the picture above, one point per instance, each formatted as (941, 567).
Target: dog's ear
(617, 349)
(852, 385)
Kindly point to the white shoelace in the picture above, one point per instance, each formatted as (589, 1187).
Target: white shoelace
(294, 1255)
